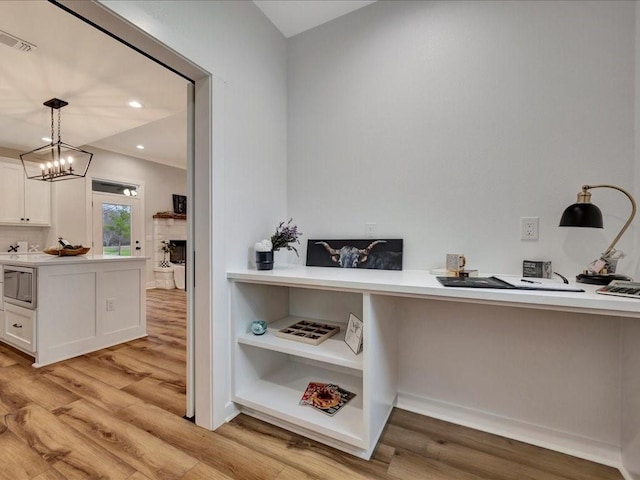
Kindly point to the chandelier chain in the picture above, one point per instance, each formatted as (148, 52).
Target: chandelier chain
(52, 126)
(59, 121)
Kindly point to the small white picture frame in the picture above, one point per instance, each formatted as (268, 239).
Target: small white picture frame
(353, 335)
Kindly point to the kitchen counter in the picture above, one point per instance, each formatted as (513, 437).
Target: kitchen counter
(43, 259)
(83, 303)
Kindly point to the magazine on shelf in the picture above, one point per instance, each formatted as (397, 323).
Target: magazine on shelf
(326, 397)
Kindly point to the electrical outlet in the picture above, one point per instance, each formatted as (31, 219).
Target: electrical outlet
(370, 230)
(111, 304)
(529, 228)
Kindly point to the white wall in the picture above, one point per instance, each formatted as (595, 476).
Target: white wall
(435, 119)
(631, 397)
(445, 122)
(72, 218)
(236, 43)
(557, 371)
(631, 328)
(247, 58)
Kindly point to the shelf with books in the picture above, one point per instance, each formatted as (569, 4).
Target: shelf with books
(333, 350)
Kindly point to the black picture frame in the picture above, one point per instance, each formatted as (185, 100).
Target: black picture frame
(371, 253)
(180, 204)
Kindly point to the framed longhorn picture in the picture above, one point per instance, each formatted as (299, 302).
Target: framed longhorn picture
(377, 254)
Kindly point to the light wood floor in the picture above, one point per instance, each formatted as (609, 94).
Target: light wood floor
(116, 414)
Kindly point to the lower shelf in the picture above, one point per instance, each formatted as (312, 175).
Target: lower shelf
(278, 393)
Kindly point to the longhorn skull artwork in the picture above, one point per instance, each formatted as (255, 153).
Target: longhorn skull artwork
(350, 256)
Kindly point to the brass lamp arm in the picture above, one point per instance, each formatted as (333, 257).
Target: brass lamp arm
(626, 225)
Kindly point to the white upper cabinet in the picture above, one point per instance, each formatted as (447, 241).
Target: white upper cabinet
(23, 201)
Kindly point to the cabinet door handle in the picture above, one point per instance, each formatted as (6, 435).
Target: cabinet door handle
(27, 219)
(17, 325)
(22, 219)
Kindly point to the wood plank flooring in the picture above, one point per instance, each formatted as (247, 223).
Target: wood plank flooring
(117, 414)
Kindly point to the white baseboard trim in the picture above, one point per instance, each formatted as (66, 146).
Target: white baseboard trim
(151, 285)
(626, 474)
(574, 445)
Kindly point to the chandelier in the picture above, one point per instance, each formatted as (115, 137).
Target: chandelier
(58, 160)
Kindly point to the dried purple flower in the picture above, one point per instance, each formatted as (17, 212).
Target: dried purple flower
(285, 235)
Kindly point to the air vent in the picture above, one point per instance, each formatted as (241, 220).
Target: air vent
(15, 42)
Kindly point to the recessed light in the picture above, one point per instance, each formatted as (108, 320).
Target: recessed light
(140, 147)
(46, 139)
(135, 104)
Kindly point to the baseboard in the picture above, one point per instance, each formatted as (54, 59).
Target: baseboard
(626, 474)
(151, 285)
(574, 445)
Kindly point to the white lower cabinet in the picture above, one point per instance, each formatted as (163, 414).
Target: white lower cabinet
(19, 327)
(270, 373)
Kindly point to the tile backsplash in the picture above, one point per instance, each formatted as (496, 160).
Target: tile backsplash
(32, 235)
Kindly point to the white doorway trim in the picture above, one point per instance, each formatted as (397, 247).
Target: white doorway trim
(206, 166)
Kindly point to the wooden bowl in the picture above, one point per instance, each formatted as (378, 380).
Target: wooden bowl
(67, 252)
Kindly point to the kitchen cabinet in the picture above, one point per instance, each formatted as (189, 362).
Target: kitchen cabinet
(84, 303)
(23, 201)
(19, 326)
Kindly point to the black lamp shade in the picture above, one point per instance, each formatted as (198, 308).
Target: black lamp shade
(582, 215)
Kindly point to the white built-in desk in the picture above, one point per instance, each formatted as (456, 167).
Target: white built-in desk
(269, 374)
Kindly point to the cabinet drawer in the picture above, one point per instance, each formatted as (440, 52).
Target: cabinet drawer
(19, 327)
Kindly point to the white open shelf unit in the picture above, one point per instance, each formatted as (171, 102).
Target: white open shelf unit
(270, 373)
(333, 350)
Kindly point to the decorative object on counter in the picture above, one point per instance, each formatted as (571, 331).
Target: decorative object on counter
(583, 213)
(310, 332)
(13, 248)
(58, 160)
(65, 249)
(379, 254)
(258, 327)
(353, 335)
(285, 235)
(179, 204)
(166, 248)
(34, 248)
(264, 255)
(539, 269)
(23, 247)
(455, 262)
(67, 252)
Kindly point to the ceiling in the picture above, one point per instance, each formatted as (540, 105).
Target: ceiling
(99, 76)
(292, 17)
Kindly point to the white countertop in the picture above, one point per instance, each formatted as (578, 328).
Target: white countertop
(419, 283)
(42, 259)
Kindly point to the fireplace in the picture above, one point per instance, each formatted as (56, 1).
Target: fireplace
(179, 254)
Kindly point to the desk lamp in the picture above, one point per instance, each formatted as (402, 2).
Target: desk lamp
(583, 213)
